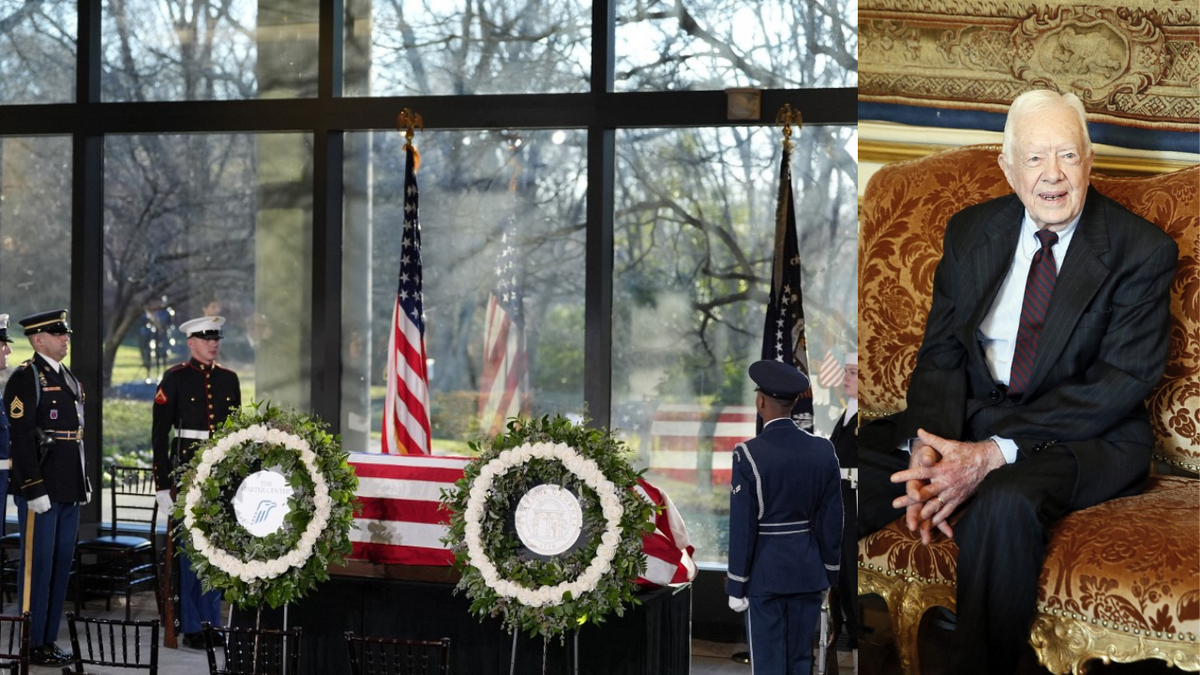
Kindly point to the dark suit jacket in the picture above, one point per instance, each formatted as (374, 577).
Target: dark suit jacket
(1103, 347)
(60, 473)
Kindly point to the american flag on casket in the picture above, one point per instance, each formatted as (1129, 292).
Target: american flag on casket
(401, 523)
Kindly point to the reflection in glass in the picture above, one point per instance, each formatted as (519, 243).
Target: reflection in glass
(37, 51)
(35, 233)
(500, 211)
(187, 50)
(194, 225)
(664, 45)
(434, 47)
(694, 238)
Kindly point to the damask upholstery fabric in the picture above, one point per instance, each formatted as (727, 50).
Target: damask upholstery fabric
(1132, 562)
(1134, 64)
(1127, 563)
(905, 209)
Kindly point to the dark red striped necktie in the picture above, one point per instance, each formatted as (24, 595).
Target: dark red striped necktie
(1038, 288)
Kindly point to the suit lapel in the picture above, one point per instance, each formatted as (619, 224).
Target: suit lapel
(990, 259)
(1083, 272)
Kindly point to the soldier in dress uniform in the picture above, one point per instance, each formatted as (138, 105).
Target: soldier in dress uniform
(845, 441)
(49, 476)
(193, 398)
(785, 527)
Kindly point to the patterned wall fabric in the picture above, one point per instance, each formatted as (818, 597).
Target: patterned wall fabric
(1135, 64)
(905, 209)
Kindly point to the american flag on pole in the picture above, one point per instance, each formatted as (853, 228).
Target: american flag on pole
(832, 372)
(406, 408)
(505, 381)
(783, 328)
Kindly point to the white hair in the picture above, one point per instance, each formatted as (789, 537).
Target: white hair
(1036, 101)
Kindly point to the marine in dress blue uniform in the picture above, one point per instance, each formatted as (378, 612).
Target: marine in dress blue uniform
(193, 398)
(785, 527)
(49, 476)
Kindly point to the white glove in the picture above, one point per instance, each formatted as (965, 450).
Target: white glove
(738, 604)
(165, 503)
(40, 505)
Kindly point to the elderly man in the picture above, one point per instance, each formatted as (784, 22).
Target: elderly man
(785, 527)
(49, 477)
(1048, 329)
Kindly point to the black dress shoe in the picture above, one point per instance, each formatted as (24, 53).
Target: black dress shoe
(193, 640)
(49, 655)
(54, 649)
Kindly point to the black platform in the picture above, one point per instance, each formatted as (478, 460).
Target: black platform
(651, 638)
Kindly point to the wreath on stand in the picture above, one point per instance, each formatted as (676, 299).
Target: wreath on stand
(548, 593)
(315, 503)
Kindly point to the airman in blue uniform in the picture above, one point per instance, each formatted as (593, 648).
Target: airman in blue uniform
(49, 479)
(785, 527)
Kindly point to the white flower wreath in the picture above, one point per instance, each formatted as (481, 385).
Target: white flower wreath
(589, 472)
(258, 569)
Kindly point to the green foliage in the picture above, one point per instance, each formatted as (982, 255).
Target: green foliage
(615, 589)
(127, 432)
(215, 518)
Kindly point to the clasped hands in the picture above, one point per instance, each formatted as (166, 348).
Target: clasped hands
(942, 474)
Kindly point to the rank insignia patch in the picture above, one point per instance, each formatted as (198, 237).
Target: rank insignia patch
(17, 409)
(160, 398)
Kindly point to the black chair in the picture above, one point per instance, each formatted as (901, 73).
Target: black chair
(123, 562)
(10, 559)
(395, 656)
(252, 651)
(14, 644)
(111, 643)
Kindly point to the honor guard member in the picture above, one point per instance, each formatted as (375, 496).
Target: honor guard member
(845, 442)
(193, 399)
(49, 476)
(785, 527)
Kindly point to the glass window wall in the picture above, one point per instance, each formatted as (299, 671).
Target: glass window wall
(502, 216)
(37, 51)
(665, 45)
(181, 50)
(35, 233)
(438, 48)
(694, 240)
(197, 225)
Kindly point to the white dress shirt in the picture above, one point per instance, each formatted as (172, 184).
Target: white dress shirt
(998, 332)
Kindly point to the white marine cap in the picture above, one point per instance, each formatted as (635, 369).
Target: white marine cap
(4, 328)
(207, 327)
(852, 359)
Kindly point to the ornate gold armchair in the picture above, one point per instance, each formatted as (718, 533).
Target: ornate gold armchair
(1121, 581)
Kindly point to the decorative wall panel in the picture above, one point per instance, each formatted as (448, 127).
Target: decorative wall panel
(1136, 63)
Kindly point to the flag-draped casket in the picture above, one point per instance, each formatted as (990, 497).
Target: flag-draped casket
(401, 522)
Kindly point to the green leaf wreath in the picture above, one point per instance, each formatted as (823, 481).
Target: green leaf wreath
(281, 567)
(525, 590)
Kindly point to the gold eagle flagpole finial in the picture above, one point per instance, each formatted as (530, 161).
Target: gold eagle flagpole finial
(408, 121)
(787, 116)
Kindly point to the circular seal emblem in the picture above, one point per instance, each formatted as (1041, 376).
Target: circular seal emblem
(261, 502)
(548, 519)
